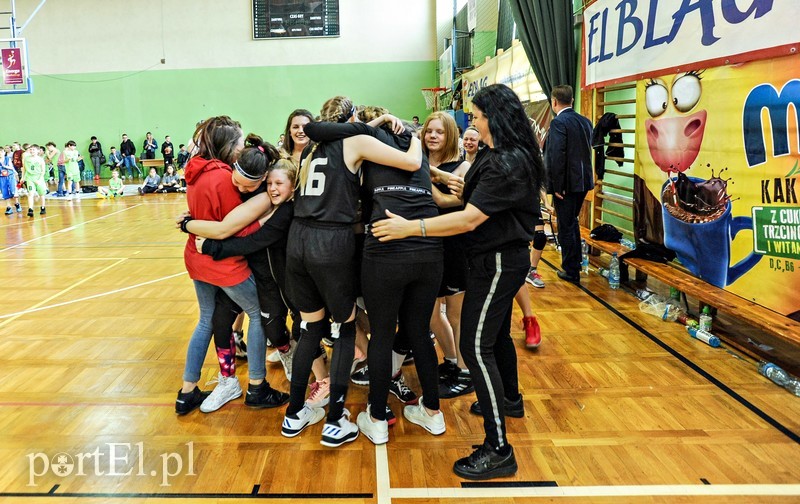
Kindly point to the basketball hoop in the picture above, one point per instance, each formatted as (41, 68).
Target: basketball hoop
(437, 98)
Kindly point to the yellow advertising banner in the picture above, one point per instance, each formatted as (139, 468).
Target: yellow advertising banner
(510, 68)
(718, 159)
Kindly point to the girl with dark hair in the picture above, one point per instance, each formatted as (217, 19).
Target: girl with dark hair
(265, 251)
(321, 265)
(500, 195)
(212, 175)
(295, 139)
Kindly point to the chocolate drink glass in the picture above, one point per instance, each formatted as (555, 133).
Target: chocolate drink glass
(705, 247)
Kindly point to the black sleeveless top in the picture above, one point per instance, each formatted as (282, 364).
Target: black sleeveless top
(404, 193)
(330, 195)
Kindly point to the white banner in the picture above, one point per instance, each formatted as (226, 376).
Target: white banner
(627, 40)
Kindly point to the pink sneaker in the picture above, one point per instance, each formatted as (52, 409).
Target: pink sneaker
(320, 393)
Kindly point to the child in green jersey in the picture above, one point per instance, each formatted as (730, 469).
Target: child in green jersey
(33, 171)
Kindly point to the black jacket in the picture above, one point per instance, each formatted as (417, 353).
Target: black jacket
(568, 154)
(127, 148)
(604, 126)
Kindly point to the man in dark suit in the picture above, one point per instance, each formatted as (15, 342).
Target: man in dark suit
(568, 159)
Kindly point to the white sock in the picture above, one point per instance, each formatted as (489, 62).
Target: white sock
(397, 362)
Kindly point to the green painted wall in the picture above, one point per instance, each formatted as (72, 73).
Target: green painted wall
(75, 107)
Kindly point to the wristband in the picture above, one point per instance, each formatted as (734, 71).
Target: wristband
(422, 228)
(184, 222)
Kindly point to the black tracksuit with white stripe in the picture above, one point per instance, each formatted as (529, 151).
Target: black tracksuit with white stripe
(499, 186)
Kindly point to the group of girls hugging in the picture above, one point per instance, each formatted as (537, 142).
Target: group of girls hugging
(357, 206)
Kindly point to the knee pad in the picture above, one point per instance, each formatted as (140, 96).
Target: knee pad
(347, 331)
(276, 332)
(539, 240)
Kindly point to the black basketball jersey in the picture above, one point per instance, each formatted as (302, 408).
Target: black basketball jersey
(448, 167)
(330, 194)
(404, 193)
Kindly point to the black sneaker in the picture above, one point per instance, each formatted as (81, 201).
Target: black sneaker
(398, 387)
(514, 409)
(361, 376)
(390, 418)
(186, 403)
(457, 386)
(264, 396)
(30, 212)
(448, 371)
(42, 211)
(485, 463)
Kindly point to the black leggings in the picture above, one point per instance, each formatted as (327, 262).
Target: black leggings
(486, 345)
(273, 314)
(400, 292)
(311, 333)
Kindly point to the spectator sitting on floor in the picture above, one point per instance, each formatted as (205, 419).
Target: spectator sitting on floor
(115, 186)
(170, 182)
(151, 182)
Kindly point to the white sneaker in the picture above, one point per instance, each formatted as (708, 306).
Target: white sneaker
(416, 414)
(305, 417)
(339, 433)
(274, 357)
(228, 389)
(320, 393)
(286, 360)
(377, 432)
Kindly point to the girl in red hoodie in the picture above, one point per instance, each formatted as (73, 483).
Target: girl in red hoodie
(211, 195)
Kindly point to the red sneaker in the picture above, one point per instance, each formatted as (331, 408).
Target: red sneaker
(533, 333)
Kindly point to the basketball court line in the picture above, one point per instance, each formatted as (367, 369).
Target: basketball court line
(13, 317)
(27, 221)
(67, 229)
(39, 307)
(595, 491)
(384, 488)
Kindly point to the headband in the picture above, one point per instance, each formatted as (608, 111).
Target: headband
(244, 173)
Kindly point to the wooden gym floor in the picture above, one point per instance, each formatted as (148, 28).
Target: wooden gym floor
(97, 309)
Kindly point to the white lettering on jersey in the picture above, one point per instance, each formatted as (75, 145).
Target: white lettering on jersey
(315, 184)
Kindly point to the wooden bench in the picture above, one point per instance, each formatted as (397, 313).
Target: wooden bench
(158, 164)
(769, 322)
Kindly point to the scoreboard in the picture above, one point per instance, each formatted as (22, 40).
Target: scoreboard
(295, 18)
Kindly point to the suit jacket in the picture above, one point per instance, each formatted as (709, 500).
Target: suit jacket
(568, 153)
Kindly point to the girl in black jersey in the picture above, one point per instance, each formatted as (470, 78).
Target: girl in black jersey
(320, 263)
(399, 281)
(501, 194)
(440, 143)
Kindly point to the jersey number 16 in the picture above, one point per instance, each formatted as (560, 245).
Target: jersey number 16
(315, 183)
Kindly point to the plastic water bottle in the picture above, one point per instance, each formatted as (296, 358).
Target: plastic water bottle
(584, 257)
(780, 377)
(704, 336)
(643, 294)
(705, 319)
(603, 272)
(675, 294)
(627, 244)
(613, 272)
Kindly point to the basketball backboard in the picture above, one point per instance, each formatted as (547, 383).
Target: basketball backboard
(15, 76)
